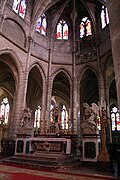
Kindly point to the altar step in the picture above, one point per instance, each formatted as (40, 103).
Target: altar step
(44, 162)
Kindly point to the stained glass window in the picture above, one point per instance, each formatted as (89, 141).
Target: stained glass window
(59, 31)
(4, 110)
(104, 17)
(85, 27)
(37, 117)
(62, 30)
(19, 6)
(64, 118)
(42, 25)
(115, 118)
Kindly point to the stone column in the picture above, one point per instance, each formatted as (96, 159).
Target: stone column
(43, 110)
(19, 102)
(18, 106)
(2, 8)
(114, 17)
(74, 123)
(109, 133)
(48, 92)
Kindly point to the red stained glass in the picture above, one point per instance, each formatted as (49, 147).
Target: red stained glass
(62, 30)
(19, 6)
(85, 27)
(42, 25)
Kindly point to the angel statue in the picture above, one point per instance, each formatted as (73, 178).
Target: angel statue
(90, 117)
(26, 118)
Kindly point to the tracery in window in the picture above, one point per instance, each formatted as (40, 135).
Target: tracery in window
(19, 6)
(42, 25)
(104, 17)
(4, 110)
(85, 27)
(62, 30)
(115, 119)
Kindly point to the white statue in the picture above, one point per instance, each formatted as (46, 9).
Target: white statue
(89, 121)
(26, 118)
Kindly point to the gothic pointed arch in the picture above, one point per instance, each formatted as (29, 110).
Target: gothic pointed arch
(10, 59)
(9, 80)
(89, 87)
(61, 87)
(34, 88)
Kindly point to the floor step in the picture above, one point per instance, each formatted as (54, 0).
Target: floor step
(43, 164)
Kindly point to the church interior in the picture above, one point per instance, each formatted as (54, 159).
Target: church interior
(59, 83)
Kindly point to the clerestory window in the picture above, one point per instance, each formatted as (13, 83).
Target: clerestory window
(85, 27)
(42, 25)
(62, 30)
(19, 6)
(104, 17)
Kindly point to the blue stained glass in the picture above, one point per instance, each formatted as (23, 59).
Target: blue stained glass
(42, 25)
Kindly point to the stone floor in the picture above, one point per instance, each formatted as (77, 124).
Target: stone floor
(87, 169)
(92, 170)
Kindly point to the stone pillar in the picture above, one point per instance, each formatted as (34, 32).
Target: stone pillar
(2, 8)
(48, 103)
(18, 106)
(43, 110)
(74, 123)
(19, 102)
(109, 133)
(114, 17)
(48, 93)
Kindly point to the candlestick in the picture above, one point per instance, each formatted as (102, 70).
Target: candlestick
(103, 158)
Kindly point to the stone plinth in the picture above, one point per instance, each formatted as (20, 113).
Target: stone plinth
(22, 145)
(91, 147)
(28, 131)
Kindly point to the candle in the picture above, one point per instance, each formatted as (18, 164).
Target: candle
(101, 102)
(104, 105)
(69, 112)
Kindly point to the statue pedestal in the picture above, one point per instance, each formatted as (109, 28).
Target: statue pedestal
(90, 147)
(22, 145)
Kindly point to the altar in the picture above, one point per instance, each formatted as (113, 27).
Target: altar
(30, 142)
(37, 145)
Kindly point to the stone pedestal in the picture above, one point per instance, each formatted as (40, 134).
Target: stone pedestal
(90, 147)
(22, 145)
